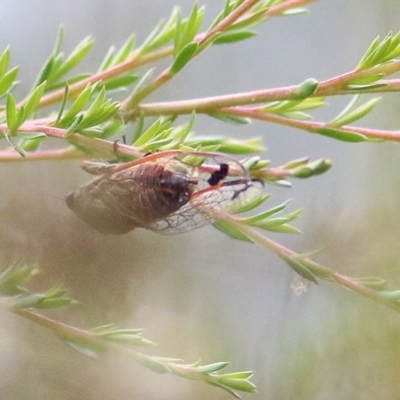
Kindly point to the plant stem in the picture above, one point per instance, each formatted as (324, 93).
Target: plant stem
(331, 87)
(329, 275)
(69, 153)
(92, 146)
(282, 7)
(309, 126)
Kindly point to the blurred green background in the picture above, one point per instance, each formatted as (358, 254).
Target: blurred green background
(201, 294)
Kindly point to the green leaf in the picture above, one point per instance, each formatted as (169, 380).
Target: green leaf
(45, 71)
(72, 127)
(367, 55)
(156, 364)
(47, 304)
(158, 127)
(162, 33)
(254, 18)
(233, 146)
(277, 226)
(232, 231)
(254, 204)
(266, 214)
(350, 106)
(31, 141)
(355, 114)
(77, 55)
(296, 163)
(305, 89)
(393, 295)
(85, 347)
(299, 268)
(232, 37)
(210, 368)
(55, 291)
(179, 31)
(183, 57)
(63, 103)
(192, 24)
(8, 80)
(309, 103)
(111, 128)
(295, 11)
(254, 163)
(129, 336)
(156, 145)
(316, 167)
(182, 132)
(32, 135)
(381, 52)
(98, 113)
(372, 282)
(366, 87)
(108, 60)
(366, 80)
(139, 129)
(27, 301)
(125, 51)
(186, 29)
(224, 387)
(97, 103)
(377, 55)
(231, 118)
(78, 105)
(297, 115)
(59, 40)
(141, 83)
(339, 134)
(11, 113)
(33, 99)
(93, 132)
(21, 116)
(120, 82)
(227, 145)
(4, 61)
(12, 279)
(237, 383)
(238, 375)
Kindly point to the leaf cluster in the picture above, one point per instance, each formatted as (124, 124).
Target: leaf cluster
(15, 297)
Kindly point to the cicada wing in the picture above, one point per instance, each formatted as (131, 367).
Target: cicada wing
(206, 206)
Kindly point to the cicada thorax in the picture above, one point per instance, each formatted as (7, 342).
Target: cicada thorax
(136, 197)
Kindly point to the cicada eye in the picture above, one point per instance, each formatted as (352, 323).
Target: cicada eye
(177, 188)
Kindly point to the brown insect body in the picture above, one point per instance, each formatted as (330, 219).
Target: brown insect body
(163, 192)
(136, 197)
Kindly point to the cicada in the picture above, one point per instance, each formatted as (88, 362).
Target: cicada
(167, 192)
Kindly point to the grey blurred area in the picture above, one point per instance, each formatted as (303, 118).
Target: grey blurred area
(201, 294)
